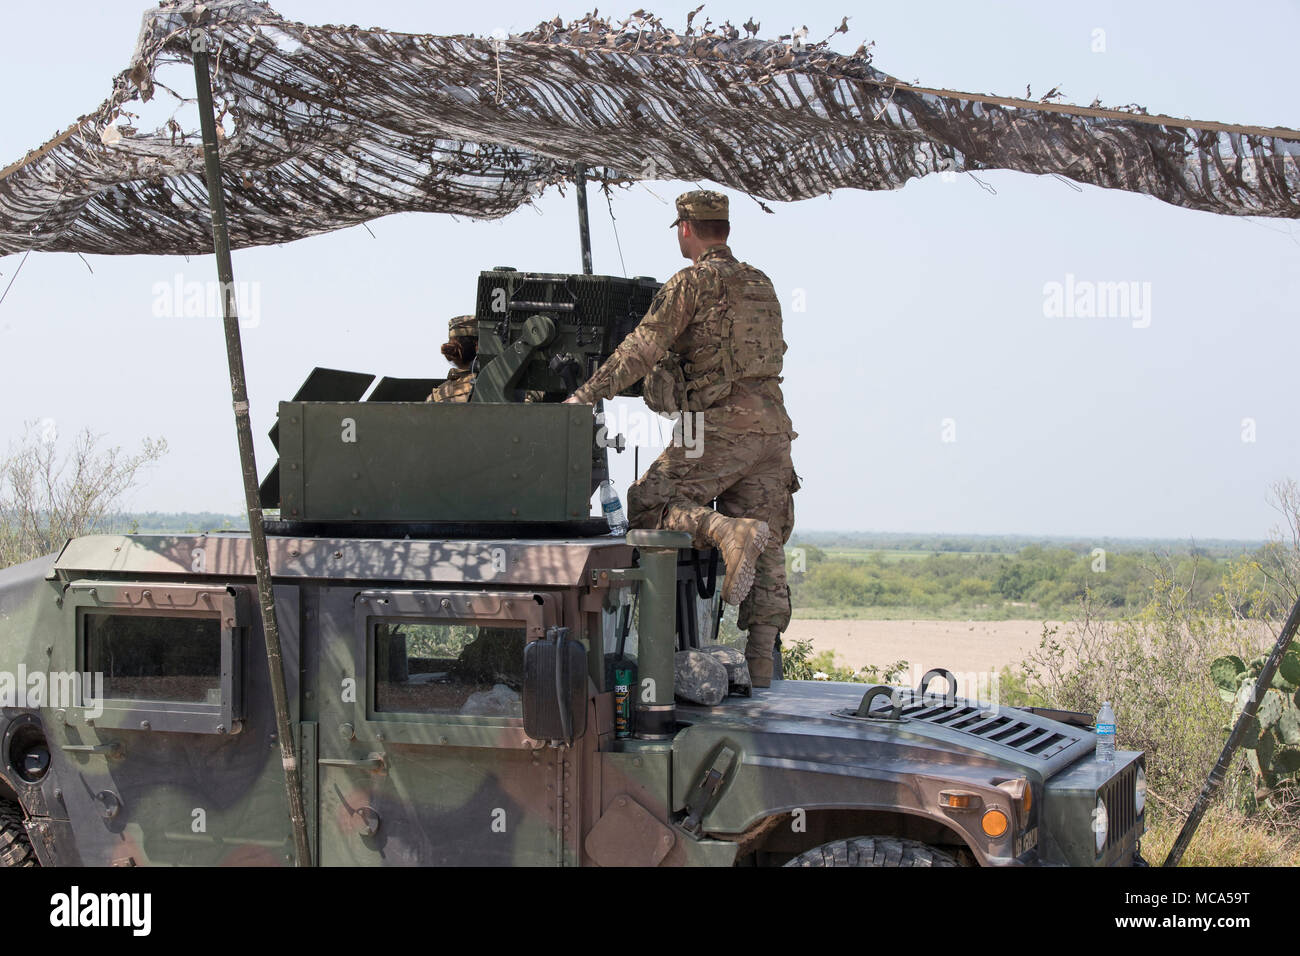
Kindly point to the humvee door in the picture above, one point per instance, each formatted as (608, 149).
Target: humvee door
(422, 757)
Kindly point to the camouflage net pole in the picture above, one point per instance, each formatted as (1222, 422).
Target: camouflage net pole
(247, 461)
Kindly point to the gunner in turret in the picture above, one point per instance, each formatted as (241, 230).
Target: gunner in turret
(460, 349)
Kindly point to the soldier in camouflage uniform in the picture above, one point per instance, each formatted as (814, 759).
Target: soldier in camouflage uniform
(711, 343)
(460, 348)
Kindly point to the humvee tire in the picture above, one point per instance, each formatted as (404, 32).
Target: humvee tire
(873, 851)
(15, 847)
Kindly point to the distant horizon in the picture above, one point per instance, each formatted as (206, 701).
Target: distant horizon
(1035, 535)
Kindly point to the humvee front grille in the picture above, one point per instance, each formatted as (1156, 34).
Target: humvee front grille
(1000, 727)
(1120, 796)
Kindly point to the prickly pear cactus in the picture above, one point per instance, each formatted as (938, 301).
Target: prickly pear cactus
(1272, 740)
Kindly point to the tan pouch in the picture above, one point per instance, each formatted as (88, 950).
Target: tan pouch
(664, 388)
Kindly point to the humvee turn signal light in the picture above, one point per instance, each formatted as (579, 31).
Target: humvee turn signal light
(959, 800)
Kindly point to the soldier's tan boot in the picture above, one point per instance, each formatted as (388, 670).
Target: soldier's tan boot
(758, 654)
(741, 541)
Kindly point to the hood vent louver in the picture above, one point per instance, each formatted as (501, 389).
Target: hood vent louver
(1011, 727)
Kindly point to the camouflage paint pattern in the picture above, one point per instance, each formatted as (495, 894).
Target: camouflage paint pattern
(394, 788)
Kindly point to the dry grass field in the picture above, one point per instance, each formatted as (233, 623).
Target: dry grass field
(960, 646)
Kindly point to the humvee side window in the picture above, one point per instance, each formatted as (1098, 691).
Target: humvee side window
(445, 667)
(155, 658)
(159, 656)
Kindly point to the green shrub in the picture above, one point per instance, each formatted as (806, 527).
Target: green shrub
(1155, 671)
(798, 662)
(1272, 738)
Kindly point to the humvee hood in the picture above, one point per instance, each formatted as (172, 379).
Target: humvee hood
(812, 721)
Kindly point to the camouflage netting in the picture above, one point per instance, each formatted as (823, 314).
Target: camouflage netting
(330, 126)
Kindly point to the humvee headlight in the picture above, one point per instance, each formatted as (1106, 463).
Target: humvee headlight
(1022, 793)
(1140, 789)
(1100, 824)
(995, 822)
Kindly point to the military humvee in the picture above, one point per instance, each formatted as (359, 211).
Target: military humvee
(454, 627)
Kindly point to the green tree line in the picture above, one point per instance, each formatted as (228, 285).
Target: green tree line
(1035, 581)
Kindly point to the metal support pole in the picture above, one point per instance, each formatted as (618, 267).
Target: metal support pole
(656, 709)
(584, 227)
(243, 428)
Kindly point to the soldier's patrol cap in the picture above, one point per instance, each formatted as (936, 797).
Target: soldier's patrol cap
(701, 204)
(463, 325)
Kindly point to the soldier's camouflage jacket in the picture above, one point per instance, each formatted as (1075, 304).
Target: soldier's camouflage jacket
(720, 321)
(457, 388)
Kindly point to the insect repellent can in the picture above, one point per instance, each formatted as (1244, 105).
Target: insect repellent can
(624, 681)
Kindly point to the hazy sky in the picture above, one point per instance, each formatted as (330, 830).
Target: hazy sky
(925, 310)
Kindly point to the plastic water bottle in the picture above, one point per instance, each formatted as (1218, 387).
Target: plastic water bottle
(1106, 733)
(613, 508)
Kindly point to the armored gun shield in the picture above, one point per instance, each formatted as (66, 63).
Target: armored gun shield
(547, 333)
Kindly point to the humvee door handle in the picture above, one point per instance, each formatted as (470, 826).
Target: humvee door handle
(113, 749)
(375, 762)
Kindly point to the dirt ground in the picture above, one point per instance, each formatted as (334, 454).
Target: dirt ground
(960, 646)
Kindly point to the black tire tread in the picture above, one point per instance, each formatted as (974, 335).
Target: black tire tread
(873, 851)
(15, 845)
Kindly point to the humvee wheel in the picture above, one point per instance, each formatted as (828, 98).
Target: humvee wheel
(15, 847)
(873, 851)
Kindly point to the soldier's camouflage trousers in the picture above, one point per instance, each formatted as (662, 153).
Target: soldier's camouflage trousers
(751, 476)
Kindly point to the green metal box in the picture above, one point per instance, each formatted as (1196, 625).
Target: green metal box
(425, 462)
